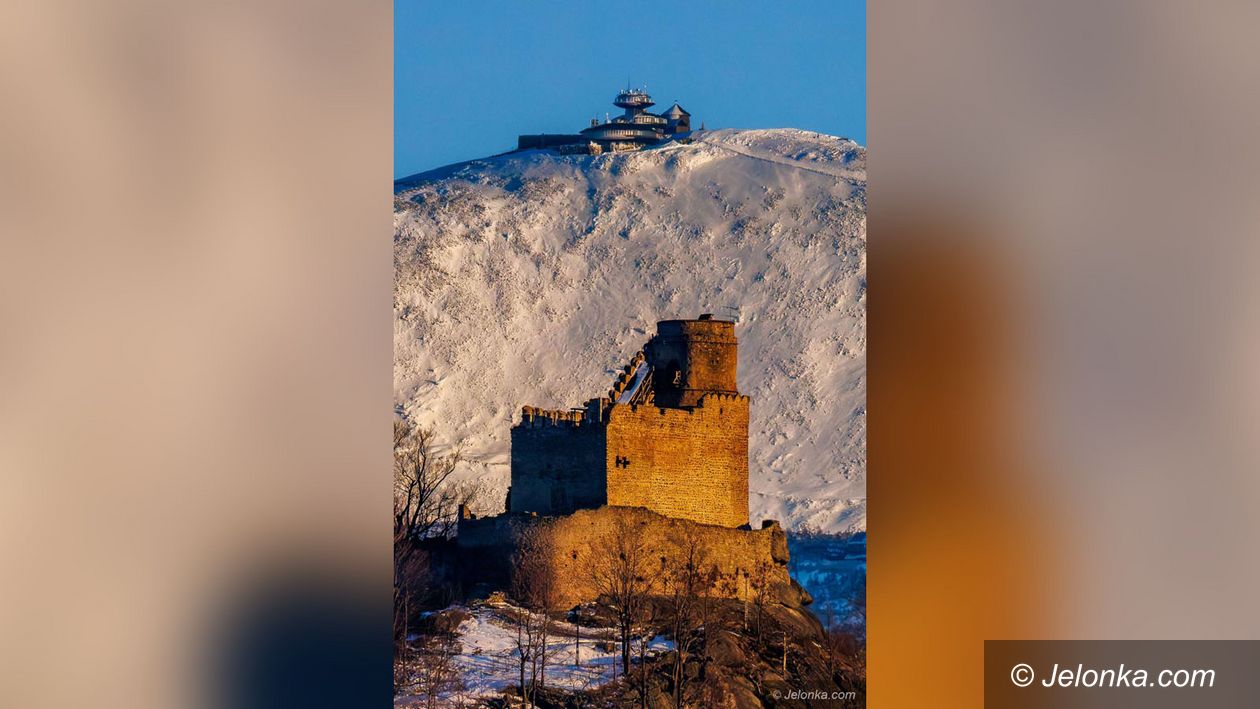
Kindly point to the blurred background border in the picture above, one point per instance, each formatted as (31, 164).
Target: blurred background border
(195, 362)
(1063, 308)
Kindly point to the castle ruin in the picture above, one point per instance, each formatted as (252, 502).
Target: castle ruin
(666, 449)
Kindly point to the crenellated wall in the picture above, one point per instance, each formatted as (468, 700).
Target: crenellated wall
(557, 462)
(684, 463)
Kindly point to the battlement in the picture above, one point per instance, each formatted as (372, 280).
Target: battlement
(711, 400)
(712, 405)
(629, 384)
(534, 416)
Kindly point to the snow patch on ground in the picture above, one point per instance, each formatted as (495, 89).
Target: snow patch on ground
(488, 662)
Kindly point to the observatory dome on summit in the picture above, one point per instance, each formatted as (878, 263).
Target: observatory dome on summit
(635, 128)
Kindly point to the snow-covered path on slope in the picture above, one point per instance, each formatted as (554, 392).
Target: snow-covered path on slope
(768, 154)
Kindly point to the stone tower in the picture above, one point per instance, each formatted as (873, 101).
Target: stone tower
(691, 358)
(671, 436)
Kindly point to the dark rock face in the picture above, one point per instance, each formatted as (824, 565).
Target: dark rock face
(775, 655)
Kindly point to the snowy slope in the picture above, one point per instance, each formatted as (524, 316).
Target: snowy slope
(488, 659)
(530, 278)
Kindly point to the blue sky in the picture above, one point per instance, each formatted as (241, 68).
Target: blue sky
(470, 75)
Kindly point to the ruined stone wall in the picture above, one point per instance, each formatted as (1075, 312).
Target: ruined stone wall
(557, 463)
(737, 554)
(742, 558)
(685, 463)
(485, 546)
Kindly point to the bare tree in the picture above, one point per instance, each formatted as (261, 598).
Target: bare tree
(834, 639)
(620, 572)
(645, 629)
(411, 581)
(688, 583)
(534, 588)
(430, 670)
(426, 500)
(846, 636)
(526, 648)
(845, 649)
(577, 640)
(760, 588)
(845, 624)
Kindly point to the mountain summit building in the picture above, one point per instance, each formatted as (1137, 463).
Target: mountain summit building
(635, 128)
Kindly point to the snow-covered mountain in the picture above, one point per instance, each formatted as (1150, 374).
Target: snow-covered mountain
(532, 278)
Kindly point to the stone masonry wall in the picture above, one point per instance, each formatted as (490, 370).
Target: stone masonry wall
(736, 553)
(742, 557)
(685, 463)
(557, 465)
